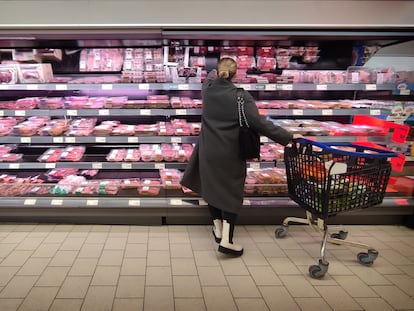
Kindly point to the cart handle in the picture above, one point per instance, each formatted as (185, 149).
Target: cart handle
(381, 153)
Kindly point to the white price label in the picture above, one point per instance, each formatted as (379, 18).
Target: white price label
(100, 139)
(176, 202)
(246, 202)
(4, 87)
(134, 202)
(61, 87)
(375, 112)
(247, 87)
(264, 139)
(143, 86)
(92, 202)
(327, 112)
(72, 112)
(287, 87)
(32, 87)
(159, 166)
(50, 165)
(370, 87)
(29, 202)
(97, 166)
(297, 112)
(321, 87)
(176, 139)
(202, 202)
(132, 139)
(57, 139)
(126, 166)
(70, 140)
(183, 87)
(25, 140)
(405, 92)
(106, 86)
(19, 113)
(270, 87)
(181, 112)
(103, 112)
(56, 202)
(1, 113)
(145, 112)
(255, 165)
(14, 166)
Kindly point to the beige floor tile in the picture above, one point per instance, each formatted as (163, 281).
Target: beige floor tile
(218, 298)
(136, 250)
(233, 266)
(158, 243)
(264, 276)
(83, 267)
(74, 287)
(130, 287)
(63, 259)
(203, 244)
(81, 230)
(99, 298)
(56, 237)
(46, 250)
(6, 249)
(254, 258)
(186, 286)
(72, 244)
(10, 304)
(298, 286)
(66, 305)
(183, 266)
(101, 228)
(16, 258)
(337, 267)
(179, 237)
(159, 298)
(211, 276)
(395, 257)
(283, 266)
(312, 304)
(96, 238)
(18, 287)
(63, 228)
(278, 298)
(34, 266)
(117, 229)
(395, 297)
(338, 298)
(384, 267)
(248, 304)
(158, 276)
(407, 269)
(53, 276)
(111, 258)
(369, 276)
(270, 250)
(138, 237)
(90, 251)
(206, 258)
(181, 250)
(158, 258)
(115, 243)
(106, 276)
(134, 266)
(15, 237)
(158, 231)
(29, 244)
(39, 299)
(136, 304)
(374, 304)
(300, 257)
(189, 304)
(354, 286)
(242, 286)
(402, 248)
(6, 274)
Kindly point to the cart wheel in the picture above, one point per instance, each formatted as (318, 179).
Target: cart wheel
(281, 232)
(340, 235)
(318, 271)
(367, 259)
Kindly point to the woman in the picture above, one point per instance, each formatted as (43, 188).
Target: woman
(215, 170)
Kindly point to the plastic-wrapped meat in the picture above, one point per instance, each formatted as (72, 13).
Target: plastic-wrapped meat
(130, 183)
(124, 130)
(6, 76)
(171, 178)
(10, 157)
(26, 103)
(132, 155)
(72, 153)
(116, 102)
(150, 187)
(146, 130)
(116, 155)
(51, 155)
(51, 103)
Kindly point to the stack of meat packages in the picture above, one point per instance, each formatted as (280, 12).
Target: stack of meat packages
(143, 65)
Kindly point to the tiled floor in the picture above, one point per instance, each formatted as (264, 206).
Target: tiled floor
(97, 268)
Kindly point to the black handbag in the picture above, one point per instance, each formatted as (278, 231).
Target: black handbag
(249, 139)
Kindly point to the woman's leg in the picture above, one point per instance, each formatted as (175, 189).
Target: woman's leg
(216, 216)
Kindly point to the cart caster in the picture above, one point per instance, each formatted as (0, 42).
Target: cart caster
(341, 235)
(318, 271)
(281, 232)
(367, 259)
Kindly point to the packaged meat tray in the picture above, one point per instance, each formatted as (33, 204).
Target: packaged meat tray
(51, 103)
(132, 155)
(9, 73)
(95, 60)
(130, 183)
(116, 155)
(72, 153)
(11, 157)
(171, 178)
(149, 187)
(35, 73)
(359, 75)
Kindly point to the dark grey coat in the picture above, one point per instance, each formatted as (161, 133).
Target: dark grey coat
(216, 171)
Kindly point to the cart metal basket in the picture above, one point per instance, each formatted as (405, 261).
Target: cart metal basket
(327, 179)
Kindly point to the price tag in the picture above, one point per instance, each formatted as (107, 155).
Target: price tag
(247, 87)
(176, 139)
(4, 87)
(72, 112)
(260, 87)
(270, 87)
(134, 202)
(32, 87)
(159, 166)
(375, 112)
(370, 87)
(246, 202)
(19, 113)
(29, 202)
(92, 202)
(176, 202)
(321, 87)
(56, 202)
(264, 139)
(202, 202)
(1, 113)
(103, 112)
(70, 140)
(126, 166)
(106, 86)
(183, 87)
(100, 139)
(61, 87)
(97, 166)
(145, 112)
(287, 87)
(181, 112)
(173, 86)
(405, 92)
(14, 166)
(57, 139)
(50, 165)
(255, 165)
(143, 86)
(297, 112)
(25, 140)
(132, 139)
(327, 112)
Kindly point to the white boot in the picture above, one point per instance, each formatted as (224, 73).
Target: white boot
(217, 228)
(226, 245)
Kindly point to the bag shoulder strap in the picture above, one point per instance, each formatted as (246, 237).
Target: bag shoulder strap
(240, 108)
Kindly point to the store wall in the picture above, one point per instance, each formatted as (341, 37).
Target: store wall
(205, 13)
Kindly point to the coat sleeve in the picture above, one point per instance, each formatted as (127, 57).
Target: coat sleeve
(265, 127)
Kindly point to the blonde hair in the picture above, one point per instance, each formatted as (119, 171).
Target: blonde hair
(226, 68)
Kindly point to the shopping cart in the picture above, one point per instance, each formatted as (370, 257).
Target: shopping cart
(329, 178)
